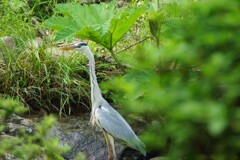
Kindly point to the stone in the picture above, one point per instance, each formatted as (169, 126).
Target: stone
(35, 43)
(76, 132)
(7, 42)
(15, 123)
(82, 137)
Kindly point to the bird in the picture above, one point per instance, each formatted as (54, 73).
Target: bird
(103, 115)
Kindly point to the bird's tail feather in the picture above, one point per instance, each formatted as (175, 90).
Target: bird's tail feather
(138, 145)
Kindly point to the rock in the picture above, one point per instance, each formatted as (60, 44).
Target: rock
(15, 123)
(35, 43)
(56, 53)
(9, 157)
(120, 4)
(20, 120)
(82, 137)
(7, 42)
(76, 132)
(4, 135)
(41, 33)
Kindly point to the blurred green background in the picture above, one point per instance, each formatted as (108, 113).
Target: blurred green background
(186, 86)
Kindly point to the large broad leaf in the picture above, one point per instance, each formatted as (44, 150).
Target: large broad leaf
(103, 23)
(65, 34)
(59, 23)
(121, 25)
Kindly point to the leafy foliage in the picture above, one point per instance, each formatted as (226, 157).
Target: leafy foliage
(102, 23)
(26, 146)
(43, 9)
(162, 16)
(188, 88)
(14, 14)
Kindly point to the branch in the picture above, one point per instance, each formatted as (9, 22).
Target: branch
(130, 46)
(134, 44)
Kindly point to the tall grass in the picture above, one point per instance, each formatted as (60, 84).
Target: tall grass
(41, 81)
(15, 19)
(32, 74)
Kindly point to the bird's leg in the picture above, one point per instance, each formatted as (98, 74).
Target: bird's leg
(113, 147)
(108, 145)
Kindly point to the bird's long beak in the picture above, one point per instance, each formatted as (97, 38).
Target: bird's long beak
(72, 47)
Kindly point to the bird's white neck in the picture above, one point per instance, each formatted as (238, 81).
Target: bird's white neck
(95, 90)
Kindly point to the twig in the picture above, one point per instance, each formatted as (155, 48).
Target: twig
(134, 44)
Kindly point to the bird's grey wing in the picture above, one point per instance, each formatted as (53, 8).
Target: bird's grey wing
(114, 124)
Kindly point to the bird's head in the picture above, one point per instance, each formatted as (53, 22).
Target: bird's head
(80, 46)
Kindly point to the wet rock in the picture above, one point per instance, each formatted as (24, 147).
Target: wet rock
(15, 123)
(20, 120)
(76, 132)
(82, 137)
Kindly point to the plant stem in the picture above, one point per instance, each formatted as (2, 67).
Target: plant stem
(117, 61)
(134, 44)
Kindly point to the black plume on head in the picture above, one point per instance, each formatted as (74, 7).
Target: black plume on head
(82, 44)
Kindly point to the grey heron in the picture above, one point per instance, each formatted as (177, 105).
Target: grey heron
(105, 117)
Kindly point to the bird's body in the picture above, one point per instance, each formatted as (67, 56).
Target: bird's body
(109, 120)
(103, 115)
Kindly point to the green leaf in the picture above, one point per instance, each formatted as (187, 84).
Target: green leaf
(59, 23)
(95, 36)
(121, 25)
(65, 34)
(103, 23)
